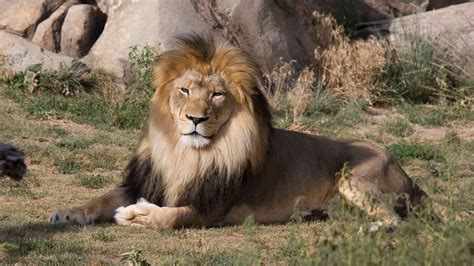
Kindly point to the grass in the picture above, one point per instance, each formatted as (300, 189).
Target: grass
(437, 116)
(72, 165)
(93, 181)
(403, 151)
(86, 96)
(398, 127)
(420, 74)
(68, 165)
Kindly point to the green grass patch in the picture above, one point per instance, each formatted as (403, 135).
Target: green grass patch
(403, 151)
(56, 131)
(436, 115)
(86, 96)
(93, 181)
(68, 165)
(419, 75)
(74, 144)
(397, 127)
(345, 118)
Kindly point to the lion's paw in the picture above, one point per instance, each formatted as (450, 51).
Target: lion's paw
(68, 216)
(376, 226)
(142, 213)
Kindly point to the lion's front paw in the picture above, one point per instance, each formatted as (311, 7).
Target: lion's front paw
(376, 226)
(142, 213)
(68, 216)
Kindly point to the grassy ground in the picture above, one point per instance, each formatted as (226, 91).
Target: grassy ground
(71, 161)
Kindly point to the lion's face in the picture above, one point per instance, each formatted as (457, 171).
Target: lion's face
(200, 105)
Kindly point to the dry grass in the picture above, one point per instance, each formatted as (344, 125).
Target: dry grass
(299, 96)
(351, 69)
(5, 71)
(279, 80)
(348, 68)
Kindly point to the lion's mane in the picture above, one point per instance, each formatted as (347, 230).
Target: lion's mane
(167, 173)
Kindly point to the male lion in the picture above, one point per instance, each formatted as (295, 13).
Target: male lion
(209, 155)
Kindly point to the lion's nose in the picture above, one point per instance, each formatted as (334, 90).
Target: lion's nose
(197, 120)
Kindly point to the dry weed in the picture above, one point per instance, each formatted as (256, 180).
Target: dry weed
(347, 68)
(352, 68)
(6, 72)
(299, 96)
(279, 81)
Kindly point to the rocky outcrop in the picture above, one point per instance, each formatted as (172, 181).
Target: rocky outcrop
(21, 53)
(269, 30)
(21, 17)
(437, 4)
(48, 32)
(153, 23)
(82, 26)
(450, 29)
(261, 27)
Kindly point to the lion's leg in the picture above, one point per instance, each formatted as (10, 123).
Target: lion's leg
(150, 215)
(364, 194)
(100, 209)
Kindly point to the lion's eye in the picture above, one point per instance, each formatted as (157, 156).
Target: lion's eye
(217, 94)
(184, 91)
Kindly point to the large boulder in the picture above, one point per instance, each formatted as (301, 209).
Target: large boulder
(449, 29)
(21, 17)
(82, 26)
(437, 4)
(21, 53)
(131, 23)
(48, 32)
(268, 30)
(263, 28)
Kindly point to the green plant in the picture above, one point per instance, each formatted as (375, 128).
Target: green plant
(140, 60)
(347, 15)
(322, 101)
(134, 257)
(403, 150)
(417, 73)
(67, 80)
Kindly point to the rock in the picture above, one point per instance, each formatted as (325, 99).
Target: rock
(82, 26)
(21, 53)
(437, 4)
(449, 29)
(267, 29)
(153, 23)
(48, 32)
(262, 28)
(21, 17)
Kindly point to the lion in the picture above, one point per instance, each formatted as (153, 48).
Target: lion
(209, 155)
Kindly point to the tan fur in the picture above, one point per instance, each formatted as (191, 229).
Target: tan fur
(264, 170)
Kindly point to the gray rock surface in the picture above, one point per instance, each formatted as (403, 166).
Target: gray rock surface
(21, 53)
(153, 23)
(48, 32)
(81, 27)
(21, 17)
(261, 27)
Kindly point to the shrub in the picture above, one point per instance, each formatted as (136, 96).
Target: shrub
(418, 74)
(402, 151)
